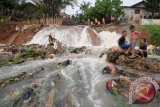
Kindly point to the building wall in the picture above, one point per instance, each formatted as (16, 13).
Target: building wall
(128, 12)
(150, 22)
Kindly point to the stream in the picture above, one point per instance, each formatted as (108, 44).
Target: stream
(77, 84)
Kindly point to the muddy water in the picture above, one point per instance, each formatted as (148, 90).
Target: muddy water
(80, 84)
(42, 83)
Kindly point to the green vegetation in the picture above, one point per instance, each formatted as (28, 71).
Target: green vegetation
(106, 8)
(154, 31)
(27, 53)
(102, 8)
(118, 98)
(10, 62)
(153, 6)
(22, 9)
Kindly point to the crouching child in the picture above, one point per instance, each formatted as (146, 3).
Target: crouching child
(143, 48)
(122, 41)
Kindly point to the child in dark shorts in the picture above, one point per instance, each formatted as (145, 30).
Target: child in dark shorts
(122, 40)
(143, 48)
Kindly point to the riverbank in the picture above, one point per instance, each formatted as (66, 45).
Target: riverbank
(153, 33)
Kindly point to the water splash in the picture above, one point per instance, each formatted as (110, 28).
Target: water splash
(109, 39)
(76, 36)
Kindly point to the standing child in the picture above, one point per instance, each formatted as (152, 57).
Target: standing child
(133, 40)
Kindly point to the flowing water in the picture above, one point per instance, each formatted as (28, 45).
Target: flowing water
(80, 84)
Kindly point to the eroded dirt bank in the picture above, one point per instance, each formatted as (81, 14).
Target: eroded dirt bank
(12, 33)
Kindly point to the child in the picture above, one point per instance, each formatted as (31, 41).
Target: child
(122, 40)
(143, 48)
(133, 40)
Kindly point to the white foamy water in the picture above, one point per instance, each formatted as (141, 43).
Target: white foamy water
(66, 35)
(109, 39)
(75, 36)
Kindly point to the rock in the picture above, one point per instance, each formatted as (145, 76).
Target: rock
(79, 50)
(14, 79)
(114, 56)
(5, 56)
(147, 65)
(65, 63)
(151, 49)
(14, 94)
(112, 53)
(20, 61)
(1, 50)
(27, 97)
(51, 56)
(36, 84)
(109, 69)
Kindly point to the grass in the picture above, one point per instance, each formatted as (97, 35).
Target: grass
(119, 99)
(27, 53)
(154, 31)
(5, 18)
(10, 62)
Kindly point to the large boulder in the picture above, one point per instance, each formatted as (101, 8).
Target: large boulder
(147, 65)
(113, 54)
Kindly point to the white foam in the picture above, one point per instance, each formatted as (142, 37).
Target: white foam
(109, 39)
(74, 36)
(69, 36)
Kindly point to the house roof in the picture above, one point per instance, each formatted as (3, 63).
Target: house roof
(135, 5)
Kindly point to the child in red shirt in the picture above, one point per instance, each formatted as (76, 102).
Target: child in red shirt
(133, 40)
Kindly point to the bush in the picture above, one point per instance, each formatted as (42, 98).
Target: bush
(29, 53)
(154, 31)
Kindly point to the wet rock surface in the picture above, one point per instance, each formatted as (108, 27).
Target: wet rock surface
(64, 64)
(5, 56)
(12, 54)
(19, 77)
(147, 65)
(64, 82)
(57, 75)
(79, 50)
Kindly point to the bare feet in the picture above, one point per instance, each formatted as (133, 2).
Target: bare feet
(143, 58)
(132, 57)
(126, 53)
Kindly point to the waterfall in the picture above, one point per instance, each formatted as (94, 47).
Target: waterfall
(75, 36)
(109, 39)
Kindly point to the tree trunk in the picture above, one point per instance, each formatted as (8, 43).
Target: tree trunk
(152, 15)
(45, 18)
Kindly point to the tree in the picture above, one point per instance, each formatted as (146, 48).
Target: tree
(7, 6)
(117, 8)
(30, 10)
(105, 8)
(153, 6)
(84, 6)
(21, 9)
(52, 8)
